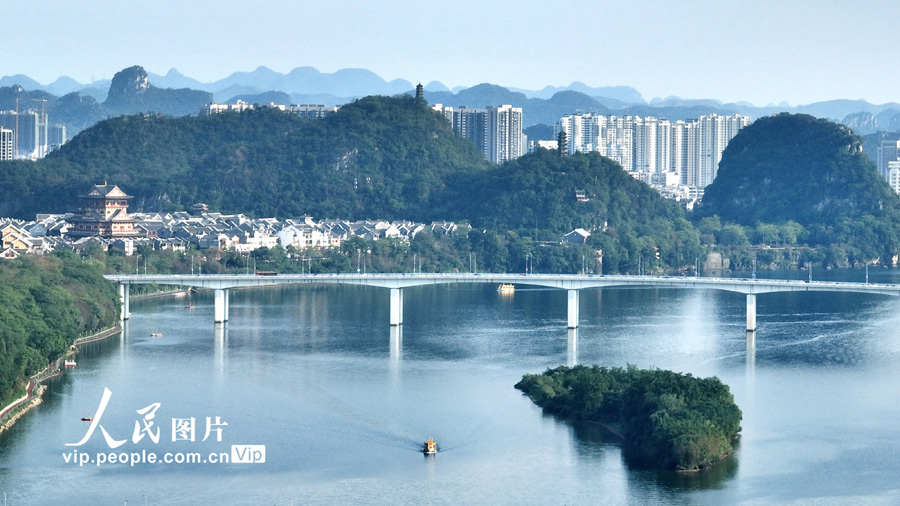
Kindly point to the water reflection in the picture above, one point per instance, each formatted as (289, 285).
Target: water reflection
(572, 348)
(396, 343)
(123, 338)
(751, 353)
(220, 348)
(304, 373)
(669, 484)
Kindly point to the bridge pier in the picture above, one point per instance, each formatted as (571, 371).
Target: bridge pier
(221, 305)
(573, 309)
(396, 306)
(124, 296)
(751, 312)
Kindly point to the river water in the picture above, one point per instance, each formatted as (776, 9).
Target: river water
(342, 402)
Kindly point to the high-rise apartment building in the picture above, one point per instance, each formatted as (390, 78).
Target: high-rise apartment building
(655, 150)
(893, 175)
(888, 151)
(505, 140)
(6, 144)
(30, 132)
(56, 136)
(497, 131)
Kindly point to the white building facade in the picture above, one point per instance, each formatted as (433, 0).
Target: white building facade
(495, 130)
(656, 151)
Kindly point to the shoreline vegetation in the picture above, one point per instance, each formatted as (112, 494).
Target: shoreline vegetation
(674, 421)
(35, 389)
(10, 413)
(46, 304)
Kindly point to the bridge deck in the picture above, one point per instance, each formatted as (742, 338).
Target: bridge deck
(562, 281)
(221, 283)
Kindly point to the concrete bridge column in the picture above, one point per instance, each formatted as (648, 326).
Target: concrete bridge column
(124, 296)
(221, 305)
(573, 309)
(396, 306)
(751, 312)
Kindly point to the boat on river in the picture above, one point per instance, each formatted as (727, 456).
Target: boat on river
(430, 447)
(69, 363)
(506, 287)
(156, 334)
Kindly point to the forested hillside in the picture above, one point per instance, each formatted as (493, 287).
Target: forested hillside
(377, 157)
(799, 170)
(45, 303)
(535, 196)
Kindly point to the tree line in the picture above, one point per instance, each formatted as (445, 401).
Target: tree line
(676, 421)
(46, 302)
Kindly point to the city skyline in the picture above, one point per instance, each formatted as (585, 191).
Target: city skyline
(764, 53)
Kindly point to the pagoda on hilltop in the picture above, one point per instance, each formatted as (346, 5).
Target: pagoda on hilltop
(105, 214)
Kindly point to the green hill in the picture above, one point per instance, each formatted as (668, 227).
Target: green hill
(45, 304)
(130, 91)
(377, 157)
(535, 196)
(810, 171)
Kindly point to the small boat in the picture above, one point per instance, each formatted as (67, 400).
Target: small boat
(87, 419)
(506, 287)
(430, 447)
(180, 294)
(156, 334)
(190, 307)
(69, 363)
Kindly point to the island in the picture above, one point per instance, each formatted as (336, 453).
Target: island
(675, 421)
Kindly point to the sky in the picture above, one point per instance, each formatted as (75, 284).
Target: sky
(759, 51)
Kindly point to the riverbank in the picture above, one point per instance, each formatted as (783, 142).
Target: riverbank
(34, 390)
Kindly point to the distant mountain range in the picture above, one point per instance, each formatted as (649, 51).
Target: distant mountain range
(308, 85)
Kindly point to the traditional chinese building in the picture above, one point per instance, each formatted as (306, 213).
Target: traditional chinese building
(105, 214)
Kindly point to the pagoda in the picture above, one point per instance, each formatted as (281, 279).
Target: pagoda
(105, 214)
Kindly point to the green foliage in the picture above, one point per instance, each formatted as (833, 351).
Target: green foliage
(534, 196)
(795, 178)
(45, 303)
(677, 421)
(384, 158)
(376, 157)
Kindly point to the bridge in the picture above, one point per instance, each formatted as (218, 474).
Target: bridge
(222, 283)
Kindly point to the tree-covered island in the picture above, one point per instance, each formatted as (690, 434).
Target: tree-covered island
(675, 421)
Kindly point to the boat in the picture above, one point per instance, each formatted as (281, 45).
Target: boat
(180, 294)
(506, 287)
(190, 307)
(156, 334)
(430, 447)
(69, 363)
(87, 419)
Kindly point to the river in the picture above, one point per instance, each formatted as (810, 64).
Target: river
(342, 402)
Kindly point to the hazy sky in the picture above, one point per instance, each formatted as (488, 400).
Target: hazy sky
(760, 51)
